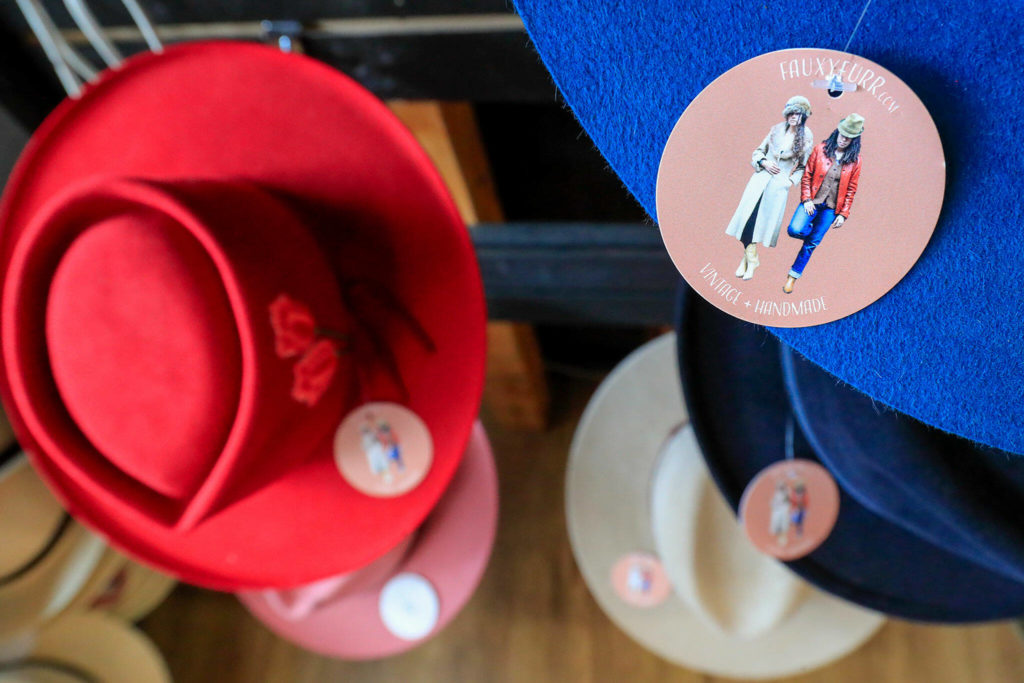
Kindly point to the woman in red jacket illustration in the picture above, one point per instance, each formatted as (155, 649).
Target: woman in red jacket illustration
(827, 189)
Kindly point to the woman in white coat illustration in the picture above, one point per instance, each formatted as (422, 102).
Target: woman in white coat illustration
(778, 165)
(376, 457)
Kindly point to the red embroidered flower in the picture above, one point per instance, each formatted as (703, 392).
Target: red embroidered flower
(314, 372)
(294, 327)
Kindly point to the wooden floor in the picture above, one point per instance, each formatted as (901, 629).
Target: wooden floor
(532, 620)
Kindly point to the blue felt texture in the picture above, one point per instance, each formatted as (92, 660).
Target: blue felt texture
(946, 345)
(961, 497)
(736, 397)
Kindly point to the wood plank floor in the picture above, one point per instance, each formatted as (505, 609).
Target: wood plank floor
(533, 620)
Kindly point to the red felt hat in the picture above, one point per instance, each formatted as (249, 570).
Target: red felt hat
(211, 258)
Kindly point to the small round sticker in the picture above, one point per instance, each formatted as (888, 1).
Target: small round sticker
(800, 187)
(409, 606)
(789, 508)
(383, 449)
(640, 580)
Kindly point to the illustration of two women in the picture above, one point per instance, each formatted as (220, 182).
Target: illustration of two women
(827, 174)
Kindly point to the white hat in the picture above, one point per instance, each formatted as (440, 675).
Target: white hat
(45, 557)
(83, 647)
(637, 483)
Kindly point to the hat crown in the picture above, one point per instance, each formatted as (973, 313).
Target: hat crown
(797, 103)
(154, 359)
(143, 348)
(852, 126)
(711, 563)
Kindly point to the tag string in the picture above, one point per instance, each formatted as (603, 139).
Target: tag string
(789, 437)
(856, 26)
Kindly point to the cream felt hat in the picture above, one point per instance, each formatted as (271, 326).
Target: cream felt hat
(45, 557)
(636, 483)
(83, 647)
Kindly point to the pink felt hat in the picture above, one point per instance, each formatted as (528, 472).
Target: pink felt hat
(408, 595)
(212, 258)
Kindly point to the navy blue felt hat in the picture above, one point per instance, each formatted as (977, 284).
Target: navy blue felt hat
(736, 396)
(960, 496)
(938, 346)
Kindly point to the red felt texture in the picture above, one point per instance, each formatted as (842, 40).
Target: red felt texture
(143, 349)
(338, 192)
(257, 247)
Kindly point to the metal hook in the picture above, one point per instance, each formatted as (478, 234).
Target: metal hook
(285, 34)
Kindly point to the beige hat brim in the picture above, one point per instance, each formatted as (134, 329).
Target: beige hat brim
(94, 644)
(142, 591)
(45, 558)
(612, 464)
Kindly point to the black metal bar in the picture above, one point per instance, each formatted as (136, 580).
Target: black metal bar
(576, 274)
(448, 57)
(112, 12)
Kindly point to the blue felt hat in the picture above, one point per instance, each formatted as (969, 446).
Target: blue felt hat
(938, 346)
(958, 495)
(736, 396)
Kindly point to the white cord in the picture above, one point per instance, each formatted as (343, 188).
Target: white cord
(71, 69)
(51, 41)
(94, 32)
(144, 24)
(856, 26)
(81, 67)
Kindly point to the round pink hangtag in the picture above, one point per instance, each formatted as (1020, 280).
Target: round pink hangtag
(800, 186)
(789, 508)
(383, 449)
(640, 580)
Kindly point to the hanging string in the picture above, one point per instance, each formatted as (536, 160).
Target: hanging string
(856, 26)
(789, 437)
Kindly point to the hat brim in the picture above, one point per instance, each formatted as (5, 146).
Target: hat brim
(138, 590)
(380, 212)
(608, 505)
(629, 75)
(93, 646)
(731, 373)
(451, 551)
(46, 557)
(956, 494)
